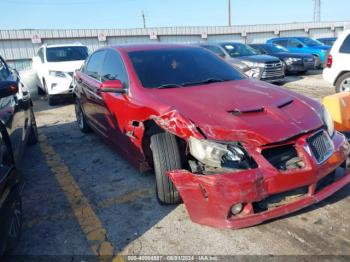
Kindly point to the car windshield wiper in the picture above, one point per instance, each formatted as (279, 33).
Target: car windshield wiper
(169, 86)
(206, 81)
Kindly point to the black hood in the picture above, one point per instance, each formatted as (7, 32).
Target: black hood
(259, 58)
(282, 55)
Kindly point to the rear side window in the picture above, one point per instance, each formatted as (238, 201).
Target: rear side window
(93, 67)
(283, 43)
(113, 68)
(345, 48)
(4, 72)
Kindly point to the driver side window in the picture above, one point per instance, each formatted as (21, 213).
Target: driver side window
(93, 67)
(113, 69)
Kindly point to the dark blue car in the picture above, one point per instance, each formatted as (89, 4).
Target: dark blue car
(304, 45)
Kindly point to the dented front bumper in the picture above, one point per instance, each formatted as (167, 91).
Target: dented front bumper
(209, 198)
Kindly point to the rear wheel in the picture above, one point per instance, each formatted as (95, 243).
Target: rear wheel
(343, 83)
(166, 157)
(81, 121)
(33, 133)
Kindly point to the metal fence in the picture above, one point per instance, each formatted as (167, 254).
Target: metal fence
(19, 46)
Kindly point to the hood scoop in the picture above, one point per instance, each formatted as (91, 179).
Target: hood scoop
(279, 104)
(238, 112)
(284, 102)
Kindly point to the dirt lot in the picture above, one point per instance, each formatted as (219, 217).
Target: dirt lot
(81, 197)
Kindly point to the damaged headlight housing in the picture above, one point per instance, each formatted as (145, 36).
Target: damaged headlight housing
(218, 155)
(328, 121)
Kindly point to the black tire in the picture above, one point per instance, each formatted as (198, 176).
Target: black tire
(51, 99)
(166, 157)
(81, 121)
(40, 91)
(33, 133)
(15, 225)
(339, 83)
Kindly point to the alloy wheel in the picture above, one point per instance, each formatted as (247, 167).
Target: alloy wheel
(345, 85)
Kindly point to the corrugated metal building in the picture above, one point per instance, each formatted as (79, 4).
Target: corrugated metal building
(19, 46)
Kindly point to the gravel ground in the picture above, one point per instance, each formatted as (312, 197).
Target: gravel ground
(124, 202)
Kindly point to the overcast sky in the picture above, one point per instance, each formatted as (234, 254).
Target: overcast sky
(161, 13)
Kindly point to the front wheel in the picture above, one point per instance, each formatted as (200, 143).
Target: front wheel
(81, 121)
(343, 83)
(166, 157)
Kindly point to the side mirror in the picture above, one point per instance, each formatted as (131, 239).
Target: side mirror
(8, 88)
(300, 46)
(112, 86)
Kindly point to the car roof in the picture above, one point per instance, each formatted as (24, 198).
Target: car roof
(63, 45)
(326, 38)
(288, 37)
(145, 47)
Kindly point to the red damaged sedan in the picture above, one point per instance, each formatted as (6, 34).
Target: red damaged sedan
(236, 151)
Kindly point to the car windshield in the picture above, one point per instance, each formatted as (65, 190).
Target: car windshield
(178, 67)
(67, 53)
(237, 50)
(310, 42)
(276, 48)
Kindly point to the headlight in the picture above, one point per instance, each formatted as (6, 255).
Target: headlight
(291, 60)
(57, 73)
(253, 64)
(328, 121)
(217, 155)
(253, 72)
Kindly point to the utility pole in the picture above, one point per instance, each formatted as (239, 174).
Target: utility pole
(317, 10)
(229, 13)
(144, 19)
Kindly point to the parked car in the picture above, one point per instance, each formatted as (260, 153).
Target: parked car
(293, 62)
(219, 50)
(337, 71)
(230, 147)
(55, 66)
(17, 129)
(262, 67)
(304, 45)
(327, 40)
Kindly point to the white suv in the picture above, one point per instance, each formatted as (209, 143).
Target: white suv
(337, 70)
(55, 66)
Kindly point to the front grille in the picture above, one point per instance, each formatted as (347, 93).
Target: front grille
(310, 60)
(321, 146)
(283, 157)
(272, 70)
